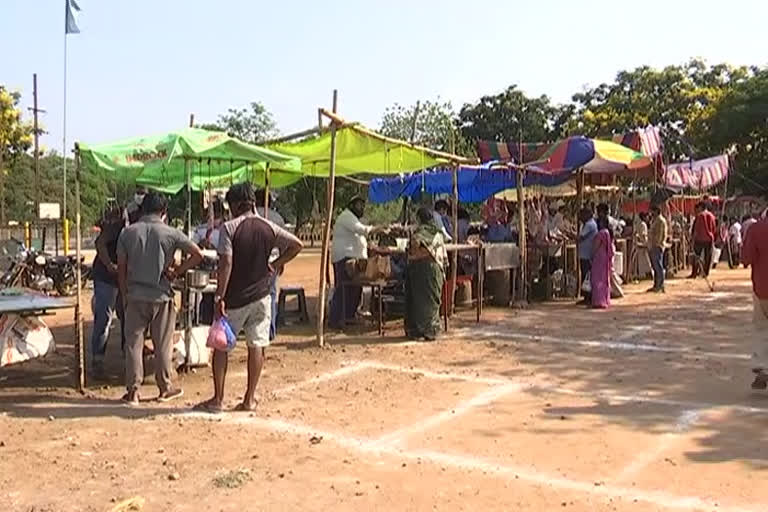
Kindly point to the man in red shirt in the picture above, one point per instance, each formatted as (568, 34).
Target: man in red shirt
(755, 253)
(704, 228)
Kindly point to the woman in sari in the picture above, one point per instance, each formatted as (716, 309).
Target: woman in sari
(424, 279)
(602, 265)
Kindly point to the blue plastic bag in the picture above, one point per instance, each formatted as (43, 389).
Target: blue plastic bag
(221, 336)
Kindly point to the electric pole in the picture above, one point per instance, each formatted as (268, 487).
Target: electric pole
(35, 111)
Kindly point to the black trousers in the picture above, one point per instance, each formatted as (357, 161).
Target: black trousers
(703, 251)
(586, 266)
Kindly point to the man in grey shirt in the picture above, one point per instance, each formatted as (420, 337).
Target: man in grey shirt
(145, 258)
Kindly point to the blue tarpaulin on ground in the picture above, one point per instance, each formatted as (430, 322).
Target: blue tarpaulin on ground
(476, 184)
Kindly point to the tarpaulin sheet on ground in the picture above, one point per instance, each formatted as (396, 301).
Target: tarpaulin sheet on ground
(160, 161)
(475, 183)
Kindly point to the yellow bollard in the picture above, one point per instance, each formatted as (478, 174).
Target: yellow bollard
(65, 234)
(27, 236)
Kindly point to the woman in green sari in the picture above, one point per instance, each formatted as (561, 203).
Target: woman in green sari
(424, 278)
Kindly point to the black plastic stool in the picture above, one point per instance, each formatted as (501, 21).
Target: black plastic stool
(301, 312)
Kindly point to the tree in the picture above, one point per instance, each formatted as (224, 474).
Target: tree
(675, 99)
(435, 128)
(252, 124)
(15, 138)
(739, 124)
(510, 115)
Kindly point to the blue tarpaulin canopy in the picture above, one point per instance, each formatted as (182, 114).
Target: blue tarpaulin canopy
(476, 184)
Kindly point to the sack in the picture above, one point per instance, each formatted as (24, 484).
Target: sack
(377, 268)
(586, 286)
(220, 336)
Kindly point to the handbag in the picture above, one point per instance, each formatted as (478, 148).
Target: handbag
(586, 286)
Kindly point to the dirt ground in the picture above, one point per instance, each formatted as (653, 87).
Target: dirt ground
(643, 407)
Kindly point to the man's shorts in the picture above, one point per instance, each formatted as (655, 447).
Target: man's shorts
(253, 320)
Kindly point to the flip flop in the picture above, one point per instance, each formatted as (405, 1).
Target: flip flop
(242, 408)
(208, 406)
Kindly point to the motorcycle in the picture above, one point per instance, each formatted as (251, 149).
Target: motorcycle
(43, 272)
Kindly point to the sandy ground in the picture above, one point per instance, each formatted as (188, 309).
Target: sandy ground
(643, 407)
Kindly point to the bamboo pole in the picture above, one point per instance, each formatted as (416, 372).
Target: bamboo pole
(580, 205)
(375, 135)
(79, 280)
(327, 229)
(522, 242)
(455, 235)
(267, 173)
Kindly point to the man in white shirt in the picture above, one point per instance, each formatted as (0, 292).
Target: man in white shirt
(349, 243)
(734, 232)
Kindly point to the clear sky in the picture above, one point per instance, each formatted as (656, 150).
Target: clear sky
(142, 66)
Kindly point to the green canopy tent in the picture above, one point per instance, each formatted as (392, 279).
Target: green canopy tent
(346, 149)
(165, 163)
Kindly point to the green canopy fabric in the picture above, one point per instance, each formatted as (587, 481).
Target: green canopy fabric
(357, 152)
(161, 161)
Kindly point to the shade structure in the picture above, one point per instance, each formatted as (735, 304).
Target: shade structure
(161, 161)
(697, 174)
(475, 183)
(358, 152)
(592, 155)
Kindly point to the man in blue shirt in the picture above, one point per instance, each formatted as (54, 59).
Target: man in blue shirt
(586, 237)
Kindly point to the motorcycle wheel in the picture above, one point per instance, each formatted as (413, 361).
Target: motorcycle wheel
(66, 287)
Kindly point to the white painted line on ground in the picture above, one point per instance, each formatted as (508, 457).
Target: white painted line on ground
(323, 377)
(628, 494)
(484, 398)
(492, 334)
(438, 375)
(684, 423)
(604, 395)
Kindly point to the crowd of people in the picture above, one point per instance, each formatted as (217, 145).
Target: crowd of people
(135, 268)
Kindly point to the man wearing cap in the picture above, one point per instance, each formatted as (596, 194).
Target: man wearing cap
(349, 243)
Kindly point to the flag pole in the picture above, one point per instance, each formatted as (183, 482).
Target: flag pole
(64, 135)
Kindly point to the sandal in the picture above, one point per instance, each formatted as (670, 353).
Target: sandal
(208, 406)
(241, 407)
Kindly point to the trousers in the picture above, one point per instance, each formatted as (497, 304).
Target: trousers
(161, 319)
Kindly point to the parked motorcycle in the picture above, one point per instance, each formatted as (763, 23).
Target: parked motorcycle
(43, 272)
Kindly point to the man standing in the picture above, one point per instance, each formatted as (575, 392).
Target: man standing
(277, 219)
(657, 241)
(756, 255)
(349, 243)
(145, 258)
(586, 239)
(105, 290)
(734, 233)
(704, 231)
(245, 273)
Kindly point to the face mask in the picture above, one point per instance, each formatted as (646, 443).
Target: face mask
(138, 198)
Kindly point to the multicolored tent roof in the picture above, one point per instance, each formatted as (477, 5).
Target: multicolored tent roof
(646, 141)
(161, 161)
(698, 174)
(592, 155)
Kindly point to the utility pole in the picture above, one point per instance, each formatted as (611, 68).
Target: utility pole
(35, 110)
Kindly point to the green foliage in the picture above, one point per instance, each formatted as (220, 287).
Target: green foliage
(252, 124)
(510, 114)
(435, 126)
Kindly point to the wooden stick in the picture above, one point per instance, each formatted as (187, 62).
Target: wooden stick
(327, 231)
(434, 153)
(455, 235)
(267, 173)
(298, 135)
(522, 242)
(79, 279)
